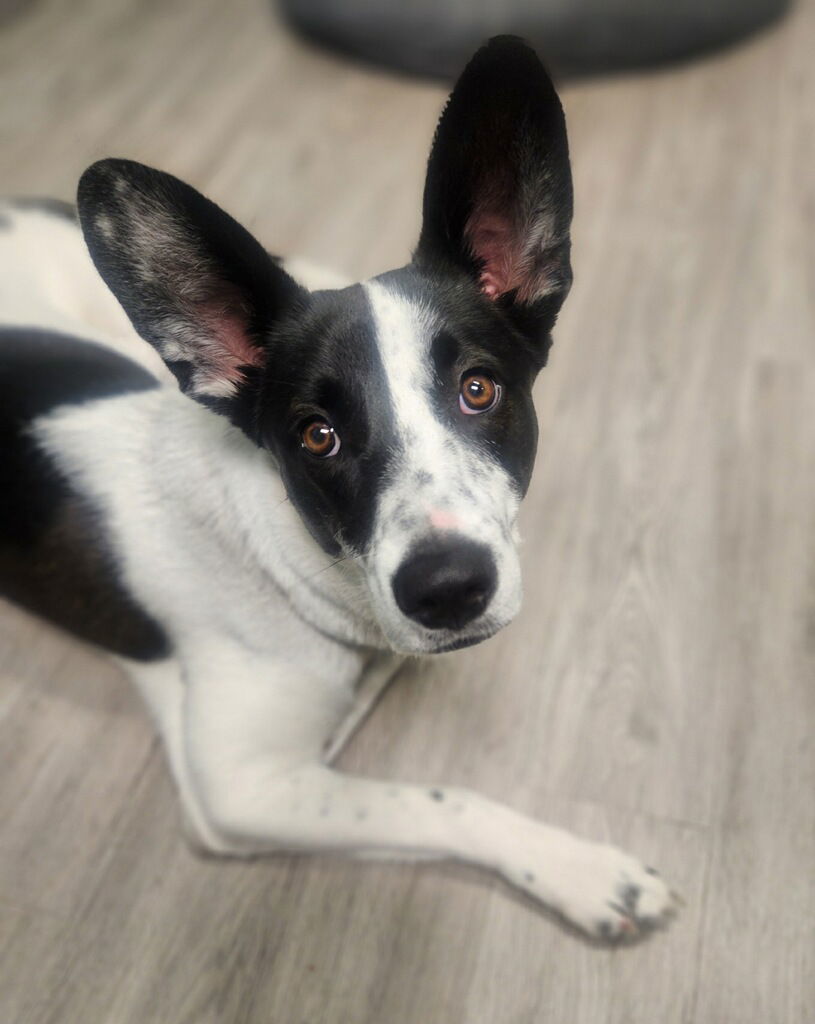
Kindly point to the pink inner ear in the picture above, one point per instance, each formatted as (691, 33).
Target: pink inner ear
(492, 242)
(230, 348)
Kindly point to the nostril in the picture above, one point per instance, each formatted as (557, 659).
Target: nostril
(445, 584)
(474, 596)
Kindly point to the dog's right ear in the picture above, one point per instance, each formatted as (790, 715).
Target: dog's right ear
(498, 194)
(194, 283)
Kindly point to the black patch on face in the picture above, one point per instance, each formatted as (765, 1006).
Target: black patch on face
(473, 333)
(444, 352)
(324, 363)
(54, 559)
(53, 207)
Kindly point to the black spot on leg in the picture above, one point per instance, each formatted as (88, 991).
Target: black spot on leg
(529, 877)
(362, 814)
(436, 794)
(652, 871)
(629, 895)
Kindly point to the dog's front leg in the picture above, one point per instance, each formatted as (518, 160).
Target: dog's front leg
(253, 741)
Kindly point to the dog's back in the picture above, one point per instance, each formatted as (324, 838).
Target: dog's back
(64, 340)
(48, 281)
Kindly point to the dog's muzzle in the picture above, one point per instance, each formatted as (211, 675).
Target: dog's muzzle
(445, 583)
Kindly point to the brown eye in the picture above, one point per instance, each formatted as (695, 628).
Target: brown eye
(478, 393)
(319, 438)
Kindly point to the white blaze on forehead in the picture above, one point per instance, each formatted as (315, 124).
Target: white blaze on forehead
(403, 332)
(462, 483)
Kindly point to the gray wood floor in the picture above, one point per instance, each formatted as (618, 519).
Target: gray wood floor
(659, 687)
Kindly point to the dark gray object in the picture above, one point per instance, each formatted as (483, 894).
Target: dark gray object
(436, 37)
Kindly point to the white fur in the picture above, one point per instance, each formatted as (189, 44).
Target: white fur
(48, 280)
(272, 643)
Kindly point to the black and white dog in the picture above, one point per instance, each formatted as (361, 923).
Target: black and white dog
(287, 489)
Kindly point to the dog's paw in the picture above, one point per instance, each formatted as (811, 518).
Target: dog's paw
(606, 893)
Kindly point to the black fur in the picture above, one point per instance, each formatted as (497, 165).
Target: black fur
(325, 362)
(501, 142)
(53, 553)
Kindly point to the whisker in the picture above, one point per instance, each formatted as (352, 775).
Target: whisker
(325, 568)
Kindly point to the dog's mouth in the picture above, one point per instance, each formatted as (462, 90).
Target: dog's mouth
(464, 641)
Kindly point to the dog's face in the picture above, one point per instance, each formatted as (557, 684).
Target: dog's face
(399, 411)
(405, 433)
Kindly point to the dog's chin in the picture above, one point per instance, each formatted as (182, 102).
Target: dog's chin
(464, 641)
(443, 642)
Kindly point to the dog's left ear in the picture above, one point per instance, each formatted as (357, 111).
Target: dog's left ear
(195, 284)
(498, 194)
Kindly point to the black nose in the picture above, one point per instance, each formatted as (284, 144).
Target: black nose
(444, 584)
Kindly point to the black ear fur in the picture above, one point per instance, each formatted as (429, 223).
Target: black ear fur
(194, 282)
(498, 193)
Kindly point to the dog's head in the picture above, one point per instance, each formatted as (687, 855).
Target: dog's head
(399, 411)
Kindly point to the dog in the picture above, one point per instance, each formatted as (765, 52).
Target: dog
(259, 491)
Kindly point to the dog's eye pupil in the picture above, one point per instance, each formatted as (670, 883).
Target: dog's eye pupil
(479, 392)
(319, 438)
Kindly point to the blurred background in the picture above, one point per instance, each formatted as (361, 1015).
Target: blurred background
(658, 690)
